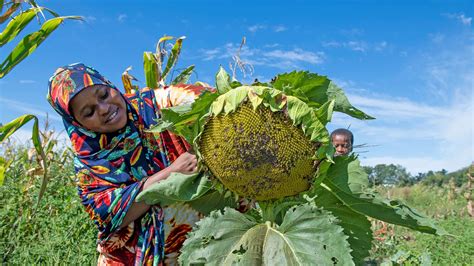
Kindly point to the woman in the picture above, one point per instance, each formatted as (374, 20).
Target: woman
(115, 158)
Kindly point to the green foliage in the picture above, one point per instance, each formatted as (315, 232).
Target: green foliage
(153, 63)
(346, 180)
(8, 129)
(241, 239)
(316, 90)
(30, 42)
(383, 174)
(184, 76)
(355, 225)
(223, 81)
(176, 188)
(390, 174)
(56, 232)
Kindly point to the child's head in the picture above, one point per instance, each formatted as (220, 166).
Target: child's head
(81, 95)
(342, 140)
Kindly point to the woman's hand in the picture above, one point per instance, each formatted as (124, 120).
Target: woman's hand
(186, 163)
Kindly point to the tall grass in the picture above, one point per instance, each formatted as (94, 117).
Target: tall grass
(57, 231)
(449, 212)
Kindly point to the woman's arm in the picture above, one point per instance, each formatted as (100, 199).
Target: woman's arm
(186, 163)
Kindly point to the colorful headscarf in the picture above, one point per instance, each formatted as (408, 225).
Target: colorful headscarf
(112, 167)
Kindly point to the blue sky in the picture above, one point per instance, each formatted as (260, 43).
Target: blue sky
(408, 63)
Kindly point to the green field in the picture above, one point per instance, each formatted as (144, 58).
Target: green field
(58, 231)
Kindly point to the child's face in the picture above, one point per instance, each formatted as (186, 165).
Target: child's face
(342, 144)
(100, 109)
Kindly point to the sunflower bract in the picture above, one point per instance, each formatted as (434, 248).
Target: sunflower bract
(258, 153)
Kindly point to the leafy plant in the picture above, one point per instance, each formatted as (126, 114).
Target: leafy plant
(17, 21)
(159, 65)
(53, 231)
(244, 137)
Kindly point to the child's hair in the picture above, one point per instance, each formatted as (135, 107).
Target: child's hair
(344, 132)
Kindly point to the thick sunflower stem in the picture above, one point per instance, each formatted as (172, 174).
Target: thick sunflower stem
(267, 208)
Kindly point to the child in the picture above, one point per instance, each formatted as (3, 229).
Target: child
(342, 140)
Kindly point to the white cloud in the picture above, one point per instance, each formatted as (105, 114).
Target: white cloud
(356, 45)
(414, 165)
(460, 17)
(257, 27)
(13, 105)
(27, 81)
(437, 37)
(416, 135)
(279, 28)
(273, 45)
(332, 44)
(296, 55)
(381, 46)
(279, 58)
(23, 136)
(352, 32)
(211, 54)
(122, 17)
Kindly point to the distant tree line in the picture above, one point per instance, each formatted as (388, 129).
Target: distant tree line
(397, 175)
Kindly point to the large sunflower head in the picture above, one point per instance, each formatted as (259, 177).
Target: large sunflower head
(258, 153)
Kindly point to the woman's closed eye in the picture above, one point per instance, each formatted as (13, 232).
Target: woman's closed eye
(104, 94)
(88, 113)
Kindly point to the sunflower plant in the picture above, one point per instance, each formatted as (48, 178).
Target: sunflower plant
(268, 143)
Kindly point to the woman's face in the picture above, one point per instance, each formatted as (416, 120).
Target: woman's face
(100, 109)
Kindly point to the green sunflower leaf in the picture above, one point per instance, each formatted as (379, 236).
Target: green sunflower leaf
(342, 104)
(316, 90)
(177, 188)
(347, 181)
(183, 119)
(324, 113)
(234, 98)
(213, 200)
(223, 82)
(355, 225)
(307, 236)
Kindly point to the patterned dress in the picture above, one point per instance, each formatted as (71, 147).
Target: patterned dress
(112, 168)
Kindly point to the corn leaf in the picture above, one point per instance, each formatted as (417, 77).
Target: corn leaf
(16, 25)
(29, 43)
(9, 12)
(8, 129)
(239, 239)
(4, 164)
(173, 58)
(184, 76)
(150, 65)
(347, 181)
(127, 81)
